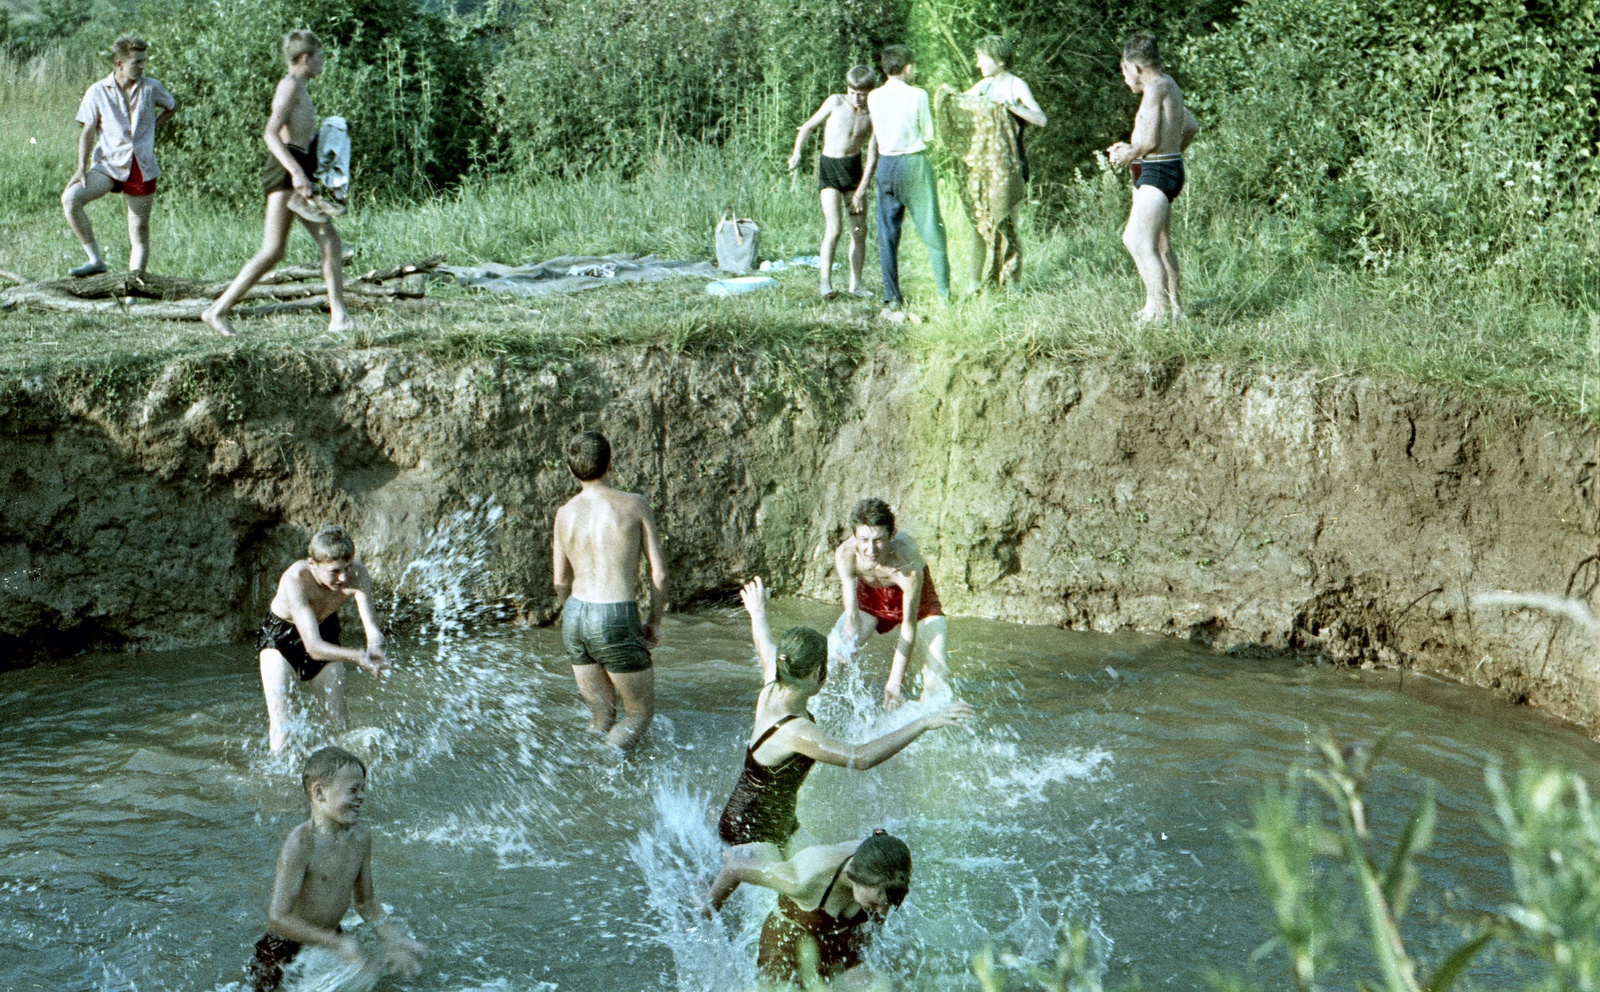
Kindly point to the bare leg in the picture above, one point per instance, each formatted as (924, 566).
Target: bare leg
(1169, 261)
(638, 692)
(332, 273)
(858, 249)
(274, 240)
(594, 685)
(329, 685)
(139, 232)
(74, 198)
(1146, 221)
(932, 641)
(833, 221)
(276, 677)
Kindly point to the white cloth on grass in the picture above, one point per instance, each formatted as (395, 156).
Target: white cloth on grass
(574, 273)
(333, 156)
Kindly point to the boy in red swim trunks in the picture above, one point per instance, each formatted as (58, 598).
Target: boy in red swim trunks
(119, 114)
(880, 571)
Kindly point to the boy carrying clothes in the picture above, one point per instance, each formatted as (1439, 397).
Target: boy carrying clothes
(325, 864)
(286, 181)
(839, 171)
(600, 536)
(120, 115)
(902, 128)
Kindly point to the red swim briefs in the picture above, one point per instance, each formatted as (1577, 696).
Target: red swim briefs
(888, 604)
(136, 185)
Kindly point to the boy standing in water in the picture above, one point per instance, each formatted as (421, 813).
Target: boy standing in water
(839, 171)
(1162, 129)
(300, 635)
(120, 115)
(880, 571)
(600, 535)
(902, 129)
(326, 862)
(286, 180)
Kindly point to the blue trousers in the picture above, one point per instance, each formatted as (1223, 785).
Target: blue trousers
(906, 182)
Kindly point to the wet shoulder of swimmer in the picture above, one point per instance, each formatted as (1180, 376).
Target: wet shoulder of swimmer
(299, 639)
(324, 867)
(830, 894)
(880, 571)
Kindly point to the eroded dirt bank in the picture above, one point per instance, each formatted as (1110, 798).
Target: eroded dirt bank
(1249, 510)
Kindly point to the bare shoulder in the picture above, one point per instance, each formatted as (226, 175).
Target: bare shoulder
(637, 505)
(908, 557)
(298, 845)
(1167, 88)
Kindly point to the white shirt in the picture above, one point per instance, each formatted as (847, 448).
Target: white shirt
(902, 122)
(127, 125)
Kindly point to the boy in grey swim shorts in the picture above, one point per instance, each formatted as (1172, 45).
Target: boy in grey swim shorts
(600, 536)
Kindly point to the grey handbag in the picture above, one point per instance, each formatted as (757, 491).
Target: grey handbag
(737, 240)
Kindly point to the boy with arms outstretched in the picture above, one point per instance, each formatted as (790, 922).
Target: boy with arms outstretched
(286, 180)
(300, 635)
(1162, 130)
(600, 535)
(117, 153)
(881, 571)
(325, 864)
(839, 170)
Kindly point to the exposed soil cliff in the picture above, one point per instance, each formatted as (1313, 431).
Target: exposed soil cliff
(1249, 510)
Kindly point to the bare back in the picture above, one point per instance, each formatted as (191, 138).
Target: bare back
(602, 532)
(1161, 117)
(293, 108)
(847, 129)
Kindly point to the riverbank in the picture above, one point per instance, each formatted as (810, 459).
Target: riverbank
(153, 504)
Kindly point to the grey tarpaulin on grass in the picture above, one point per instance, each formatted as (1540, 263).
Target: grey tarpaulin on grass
(574, 273)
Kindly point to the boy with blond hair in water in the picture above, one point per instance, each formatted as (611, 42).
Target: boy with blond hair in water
(600, 536)
(325, 865)
(286, 181)
(300, 635)
(117, 153)
(880, 571)
(846, 127)
(1162, 130)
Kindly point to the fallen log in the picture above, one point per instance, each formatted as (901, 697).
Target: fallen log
(151, 285)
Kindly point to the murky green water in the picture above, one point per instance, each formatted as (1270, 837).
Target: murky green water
(140, 815)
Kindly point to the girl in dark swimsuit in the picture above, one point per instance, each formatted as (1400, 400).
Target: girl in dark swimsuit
(849, 887)
(786, 741)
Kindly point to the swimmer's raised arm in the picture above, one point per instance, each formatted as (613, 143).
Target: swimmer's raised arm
(755, 597)
(777, 875)
(658, 574)
(806, 738)
(294, 863)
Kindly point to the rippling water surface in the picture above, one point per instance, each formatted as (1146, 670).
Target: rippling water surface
(141, 815)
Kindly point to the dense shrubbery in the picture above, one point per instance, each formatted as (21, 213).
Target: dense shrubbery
(407, 81)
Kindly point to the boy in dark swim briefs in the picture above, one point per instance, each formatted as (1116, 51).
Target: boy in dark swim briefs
(600, 536)
(325, 864)
(1162, 130)
(839, 170)
(299, 639)
(880, 571)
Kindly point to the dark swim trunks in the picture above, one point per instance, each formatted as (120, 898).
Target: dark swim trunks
(604, 634)
(842, 174)
(284, 636)
(273, 954)
(275, 177)
(1165, 174)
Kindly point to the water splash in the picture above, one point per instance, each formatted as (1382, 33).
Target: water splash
(1571, 608)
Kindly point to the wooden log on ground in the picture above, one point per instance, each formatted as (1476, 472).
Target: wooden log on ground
(30, 297)
(397, 271)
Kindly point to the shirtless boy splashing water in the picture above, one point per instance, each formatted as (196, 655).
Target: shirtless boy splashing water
(600, 535)
(839, 170)
(1162, 131)
(881, 571)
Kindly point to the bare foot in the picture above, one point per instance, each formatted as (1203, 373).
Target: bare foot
(341, 324)
(858, 291)
(1147, 316)
(220, 323)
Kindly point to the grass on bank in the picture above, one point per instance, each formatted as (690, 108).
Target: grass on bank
(1257, 292)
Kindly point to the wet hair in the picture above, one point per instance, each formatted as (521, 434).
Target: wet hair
(883, 860)
(125, 46)
(298, 43)
(1141, 50)
(802, 652)
(997, 47)
(327, 762)
(872, 512)
(589, 455)
(895, 58)
(861, 77)
(331, 543)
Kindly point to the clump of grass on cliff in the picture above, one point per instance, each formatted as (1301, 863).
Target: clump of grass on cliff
(1258, 291)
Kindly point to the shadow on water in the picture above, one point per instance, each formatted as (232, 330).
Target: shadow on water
(140, 813)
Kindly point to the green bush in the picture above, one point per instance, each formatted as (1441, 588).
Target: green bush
(406, 80)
